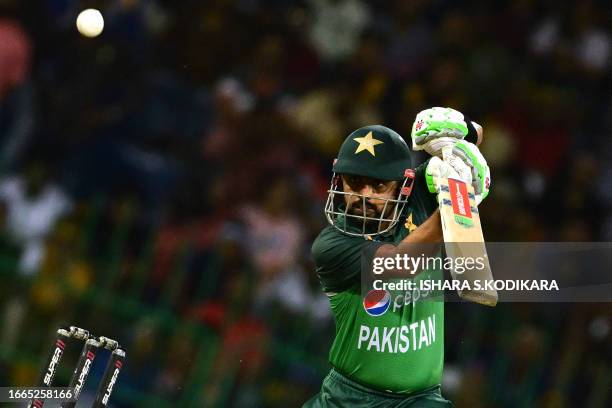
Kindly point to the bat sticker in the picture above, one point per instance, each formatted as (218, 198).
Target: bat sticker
(461, 202)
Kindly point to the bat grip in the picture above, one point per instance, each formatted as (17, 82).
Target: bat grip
(447, 152)
(479, 133)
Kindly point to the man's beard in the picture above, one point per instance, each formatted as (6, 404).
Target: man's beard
(371, 211)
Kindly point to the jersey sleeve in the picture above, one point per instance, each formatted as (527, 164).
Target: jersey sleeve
(424, 200)
(338, 257)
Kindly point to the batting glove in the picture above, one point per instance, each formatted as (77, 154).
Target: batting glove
(438, 168)
(436, 128)
(469, 154)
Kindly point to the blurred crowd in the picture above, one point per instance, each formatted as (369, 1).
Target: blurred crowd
(165, 180)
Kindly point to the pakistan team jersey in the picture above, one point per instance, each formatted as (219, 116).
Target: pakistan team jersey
(401, 350)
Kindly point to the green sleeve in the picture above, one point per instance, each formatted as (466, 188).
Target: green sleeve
(337, 259)
(422, 199)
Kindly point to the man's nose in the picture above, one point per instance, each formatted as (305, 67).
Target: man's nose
(366, 190)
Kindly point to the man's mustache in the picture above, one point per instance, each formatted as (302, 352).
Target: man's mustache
(360, 205)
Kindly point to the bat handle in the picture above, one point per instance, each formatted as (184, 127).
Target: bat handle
(447, 152)
(479, 133)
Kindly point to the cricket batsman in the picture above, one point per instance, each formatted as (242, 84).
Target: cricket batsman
(379, 201)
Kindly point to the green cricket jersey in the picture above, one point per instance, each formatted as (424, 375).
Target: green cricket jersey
(401, 350)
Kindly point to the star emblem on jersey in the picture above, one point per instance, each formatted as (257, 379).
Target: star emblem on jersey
(367, 143)
(409, 225)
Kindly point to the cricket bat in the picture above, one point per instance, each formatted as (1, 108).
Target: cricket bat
(463, 236)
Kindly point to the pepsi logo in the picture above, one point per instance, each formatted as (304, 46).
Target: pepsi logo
(376, 302)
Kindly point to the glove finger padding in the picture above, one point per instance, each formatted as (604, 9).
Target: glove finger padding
(435, 146)
(437, 168)
(463, 170)
(481, 174)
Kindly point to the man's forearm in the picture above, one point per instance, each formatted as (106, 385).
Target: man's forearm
(420, 242)
(430, 232)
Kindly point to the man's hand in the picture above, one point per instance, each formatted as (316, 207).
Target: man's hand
(454, 165)
(447, 134)
(468, 153)
(439, 168)
(436, 128)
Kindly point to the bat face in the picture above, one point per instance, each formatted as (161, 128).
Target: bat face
(463, 235)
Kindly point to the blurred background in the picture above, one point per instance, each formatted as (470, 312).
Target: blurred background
(162, 183)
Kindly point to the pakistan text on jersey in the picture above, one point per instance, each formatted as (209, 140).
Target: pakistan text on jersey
(398, 339)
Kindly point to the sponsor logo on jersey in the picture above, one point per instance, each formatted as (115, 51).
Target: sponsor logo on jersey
(377, 302)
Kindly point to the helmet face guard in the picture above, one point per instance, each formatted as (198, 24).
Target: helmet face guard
(336, 210)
